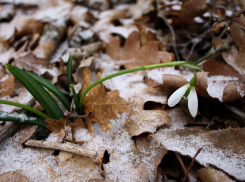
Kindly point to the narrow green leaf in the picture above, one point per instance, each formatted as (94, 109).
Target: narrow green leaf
(53, 89)
(37, 91)
(5, 116)
(44, 116)
(69, 69)
(76, 100)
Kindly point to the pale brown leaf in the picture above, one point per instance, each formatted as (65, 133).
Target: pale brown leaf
(103, 105)
(13, 176)
(212, 175)
(222, 148)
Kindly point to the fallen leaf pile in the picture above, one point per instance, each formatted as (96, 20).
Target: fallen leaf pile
(129, 134)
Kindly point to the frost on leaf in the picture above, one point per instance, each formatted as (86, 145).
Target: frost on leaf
(224, 88)
(146, 121)
(151, 154)
(103, 105)
(224, 149)
(13, 176)
(76, 167)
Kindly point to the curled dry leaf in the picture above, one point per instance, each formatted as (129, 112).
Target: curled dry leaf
(30, 62)
(13, 176)
(63, 124)
(151, 153)
(212, 175)
(224, 149)
(24, 134)
(226, 89)
(146, 121)
(133, 55)
(76, 167)
(103, 105)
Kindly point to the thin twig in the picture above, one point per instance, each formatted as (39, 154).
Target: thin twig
(161, 15)
(235, 111)
(213, 51)
(191, 164)
(61, 146)
(234, 16)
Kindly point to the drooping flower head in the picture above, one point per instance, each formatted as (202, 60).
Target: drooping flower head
(188, 91)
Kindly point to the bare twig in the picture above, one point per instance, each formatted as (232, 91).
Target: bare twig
(213, 51)
(235, 111)
(161, 15)
(191, 164)
(234, 16)
(61, 146)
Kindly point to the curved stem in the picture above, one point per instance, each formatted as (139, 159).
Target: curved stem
(24, 107)
(187, 64)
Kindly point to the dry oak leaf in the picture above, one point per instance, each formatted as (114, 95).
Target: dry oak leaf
(76, 167)
(13, 176)
(135, 55)
(223, 149)
(104, 105)
(146, 121)
(7, 85)
(151, 153)
(212, 175)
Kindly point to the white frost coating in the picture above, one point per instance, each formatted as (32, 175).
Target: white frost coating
(86, 34)
(239, 89)
(176, 7)
(198, 19)
(216, 85)
(58, 53)
(6, 56)
(188, 145)
(157, 74)
(20, 116)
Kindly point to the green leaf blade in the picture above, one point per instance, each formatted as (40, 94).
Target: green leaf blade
(76, 100)
(37, 91)
(69, 69)
(53, 89)
(5, 116)
(44, 116)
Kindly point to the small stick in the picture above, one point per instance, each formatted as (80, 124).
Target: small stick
(161, 15)
(61, 146)
(212, 51)
(191, 164)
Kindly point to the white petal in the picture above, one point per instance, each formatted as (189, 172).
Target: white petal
(193, 102)
(176, 96)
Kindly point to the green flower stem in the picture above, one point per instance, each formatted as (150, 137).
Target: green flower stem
(187, 64)
(24, 107)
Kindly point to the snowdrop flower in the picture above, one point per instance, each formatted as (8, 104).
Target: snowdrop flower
(189, 92)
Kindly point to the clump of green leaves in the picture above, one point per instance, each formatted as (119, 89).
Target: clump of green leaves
(39, 88)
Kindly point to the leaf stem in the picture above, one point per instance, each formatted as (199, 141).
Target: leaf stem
(187, 64)
(24, 107)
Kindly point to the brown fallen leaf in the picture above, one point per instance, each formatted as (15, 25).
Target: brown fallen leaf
(212, 175)
(13, 176)
(151, 153)
(219, 68)
(223, 149)
(191, 9)
(76, 167)
(145, 121)
(103, 105)
(226, 89)
(65, 125)
(134, 55)
(7, 85)
(30, 62)
(24, 133)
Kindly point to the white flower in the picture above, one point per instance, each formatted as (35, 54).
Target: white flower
(191, 96)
